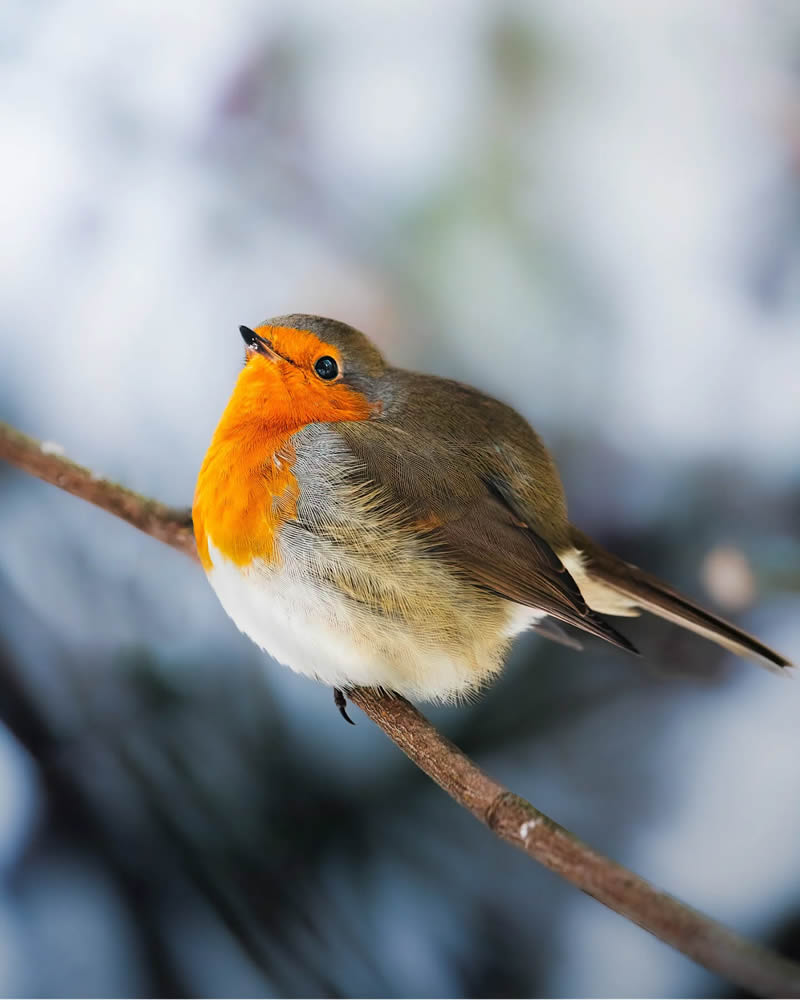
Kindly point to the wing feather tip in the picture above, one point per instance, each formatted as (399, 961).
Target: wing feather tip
(610, 634)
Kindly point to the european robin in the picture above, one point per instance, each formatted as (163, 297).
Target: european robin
(368, 525)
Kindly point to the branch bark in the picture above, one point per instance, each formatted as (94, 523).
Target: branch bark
(510, 817)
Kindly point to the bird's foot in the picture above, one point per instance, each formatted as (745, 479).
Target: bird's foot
(340, 702)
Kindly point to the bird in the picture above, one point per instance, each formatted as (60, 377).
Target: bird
(371, 526)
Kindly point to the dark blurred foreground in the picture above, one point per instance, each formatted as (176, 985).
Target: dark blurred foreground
(190, 839)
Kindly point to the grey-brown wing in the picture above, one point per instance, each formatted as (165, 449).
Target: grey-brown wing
(463, 514)
(502, 554)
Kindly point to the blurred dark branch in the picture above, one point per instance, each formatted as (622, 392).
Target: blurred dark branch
(507, 815)
(72, 804)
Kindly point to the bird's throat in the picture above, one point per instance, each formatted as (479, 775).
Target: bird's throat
(246, 488)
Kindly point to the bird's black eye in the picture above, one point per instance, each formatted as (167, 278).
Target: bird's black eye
(326, 368)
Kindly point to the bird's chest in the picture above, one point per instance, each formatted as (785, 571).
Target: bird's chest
(245, 492)
(345, 591)
(289, 608)
(270, 530)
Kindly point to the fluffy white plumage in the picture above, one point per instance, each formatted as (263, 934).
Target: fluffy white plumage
(317, 632)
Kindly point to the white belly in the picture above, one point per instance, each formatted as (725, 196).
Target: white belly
(316, 632)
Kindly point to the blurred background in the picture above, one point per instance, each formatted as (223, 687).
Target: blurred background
(589, 210)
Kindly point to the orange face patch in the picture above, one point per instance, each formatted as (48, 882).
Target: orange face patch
(246, 488)
(301, 347)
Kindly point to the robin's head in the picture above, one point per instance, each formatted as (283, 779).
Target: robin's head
(305, 369)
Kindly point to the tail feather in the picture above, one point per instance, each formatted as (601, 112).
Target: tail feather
(645, 591)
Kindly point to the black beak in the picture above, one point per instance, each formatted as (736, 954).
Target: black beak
(258, 344)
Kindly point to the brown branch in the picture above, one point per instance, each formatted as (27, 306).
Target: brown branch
(45, 461)
(507, 815)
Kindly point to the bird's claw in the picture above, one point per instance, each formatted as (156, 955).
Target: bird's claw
(340, 702)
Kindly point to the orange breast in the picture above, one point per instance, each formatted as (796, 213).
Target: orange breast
(246, 488)
(245, 491)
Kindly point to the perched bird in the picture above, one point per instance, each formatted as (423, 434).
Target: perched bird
(368, 525)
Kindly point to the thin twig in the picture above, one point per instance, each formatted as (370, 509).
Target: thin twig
(44, 460)
(507, 815)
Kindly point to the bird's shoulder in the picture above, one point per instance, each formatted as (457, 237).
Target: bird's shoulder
(445, 443)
